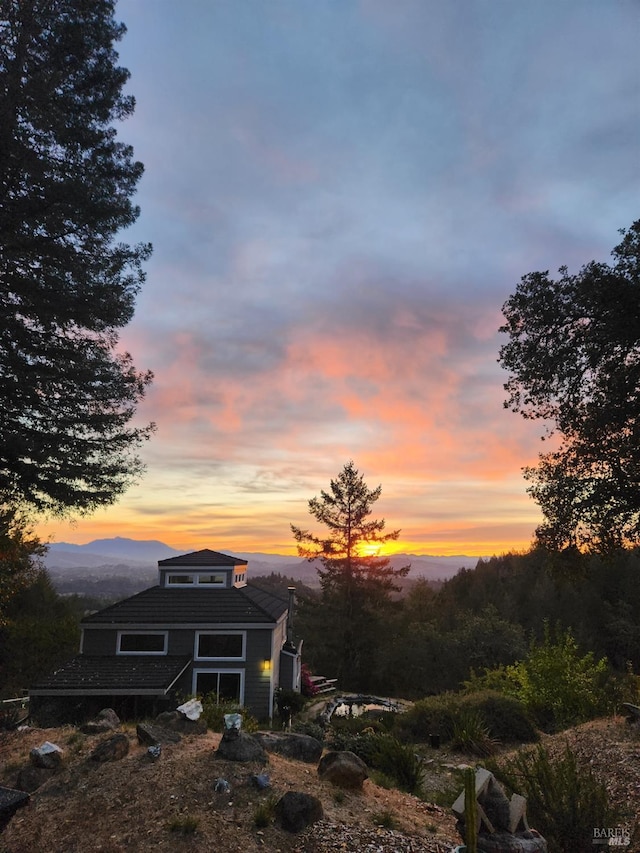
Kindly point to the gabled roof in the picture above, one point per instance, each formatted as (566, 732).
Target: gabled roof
(167, 606)
(206, 557)
(111, 674)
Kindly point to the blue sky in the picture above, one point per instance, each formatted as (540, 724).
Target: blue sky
(341, 195)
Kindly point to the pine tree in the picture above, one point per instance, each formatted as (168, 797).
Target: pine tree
(67, 394)
(356, 586)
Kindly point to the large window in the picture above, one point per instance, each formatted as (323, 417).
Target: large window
(218, 645)
(180, 579)
(142, 642)
(225, 686)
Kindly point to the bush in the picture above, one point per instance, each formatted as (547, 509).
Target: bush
(557, 685)
(470, 734)
(289, 703)
(214, 714)
(383, 753)
(505, 718)
(564, 801)
(308, 727)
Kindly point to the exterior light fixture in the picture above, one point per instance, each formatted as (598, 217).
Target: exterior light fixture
(266, 665)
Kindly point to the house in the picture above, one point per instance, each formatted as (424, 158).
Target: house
(204, 629)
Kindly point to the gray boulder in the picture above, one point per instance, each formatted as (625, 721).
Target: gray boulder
(106, 721)
(149, 735)
(297, 746)
(112, 749)
(295, 811)
(48, 756)
(176, 721)
(343, 769)
(241, 747)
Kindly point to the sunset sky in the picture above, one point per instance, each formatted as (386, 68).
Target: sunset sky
(341, 195)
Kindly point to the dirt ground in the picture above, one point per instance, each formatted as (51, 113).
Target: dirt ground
(136, 805)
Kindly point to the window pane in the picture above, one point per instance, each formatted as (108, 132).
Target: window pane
(220, 646)
(229, 689)
(180, 578)
(211, 579)
(142, 642)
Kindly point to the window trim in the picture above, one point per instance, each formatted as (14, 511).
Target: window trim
(196, 645)
(123, 632)
(218, 671)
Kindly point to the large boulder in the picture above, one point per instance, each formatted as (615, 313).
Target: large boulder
(149, 735)
(297, 746)
(176, 721)
(343, 769)
(241, 747)
(106, 721)
(112, 749)
(295, 811)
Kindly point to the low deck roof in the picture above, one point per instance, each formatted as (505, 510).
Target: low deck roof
(135, 675)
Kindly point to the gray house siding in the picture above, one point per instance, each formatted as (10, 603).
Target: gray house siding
(226, 640)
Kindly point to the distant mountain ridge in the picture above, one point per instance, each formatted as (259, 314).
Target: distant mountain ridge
(130, 556)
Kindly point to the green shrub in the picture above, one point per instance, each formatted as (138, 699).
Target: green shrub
(397, 761)
(385, 819)
(264, 812)
(214, 714)
(308, 727)
(505, 718)
(564, 801)
(558, 686)
(470, 734)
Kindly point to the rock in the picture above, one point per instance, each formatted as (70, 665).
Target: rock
(48, 756)
(30, 778)
(222, 787)
(192, 709)
(10, 801)
(242, 747)
(177, 722)
(297, 746)
(154, 751)
(261, 781)
(295, 811)
(149, 735)
(343, 769)
(112, 749)
(106, 721)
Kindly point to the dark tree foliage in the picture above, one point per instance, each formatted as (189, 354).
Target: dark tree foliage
(355, 586)
(20, 558)
(574, 359)
(67, 394)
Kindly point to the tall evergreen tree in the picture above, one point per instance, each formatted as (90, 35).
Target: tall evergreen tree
(355, 586)
(67, 394)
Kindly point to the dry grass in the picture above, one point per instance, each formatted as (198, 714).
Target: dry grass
(131, 805)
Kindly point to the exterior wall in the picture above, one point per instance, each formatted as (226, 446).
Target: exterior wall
(99, 641)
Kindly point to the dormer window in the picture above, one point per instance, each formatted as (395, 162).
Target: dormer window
(180, 580)
(212, 580)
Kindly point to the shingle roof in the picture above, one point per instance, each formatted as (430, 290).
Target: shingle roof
(110, 674)
(206, 557)
(167, 606)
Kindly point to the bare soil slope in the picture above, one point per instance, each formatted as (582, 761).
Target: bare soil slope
(136, 805)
